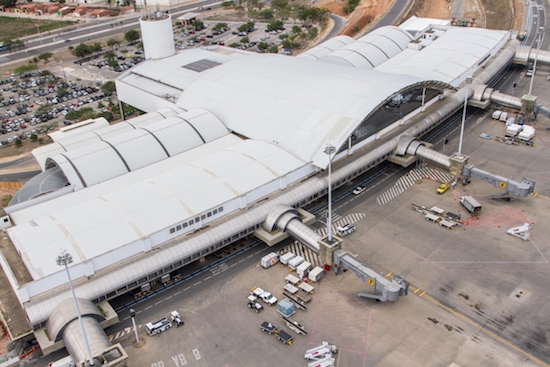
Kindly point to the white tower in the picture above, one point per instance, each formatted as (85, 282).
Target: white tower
(157, 35)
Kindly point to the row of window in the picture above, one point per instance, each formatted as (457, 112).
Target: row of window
(183, 225)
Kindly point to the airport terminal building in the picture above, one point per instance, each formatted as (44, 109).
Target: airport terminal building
(227, 135)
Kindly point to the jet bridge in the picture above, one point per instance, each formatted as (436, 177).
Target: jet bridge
(285, 218)
(458, 166)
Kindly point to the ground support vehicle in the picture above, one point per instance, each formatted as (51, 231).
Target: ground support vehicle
(326, 361)
(346, 229)
(471, 204)
(176, 319)
(269, 260)
(284, 337)
(268, 327)
(264, 296)
(254, 304)
(299, 303)
(522, 231)
(294, 326)
(321, 351)
(316, 274)
(158, 327)
(442, 188)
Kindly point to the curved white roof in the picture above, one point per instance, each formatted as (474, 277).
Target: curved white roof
(371, 50)
(132, 207)
(456, 51)
(299, 104)
(136, 145)
(326, 47)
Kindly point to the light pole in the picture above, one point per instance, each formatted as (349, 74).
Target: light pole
(468, 81)
(329, 149)
(39, 34)
(133, 315)
(541, 38)
(64, 259)
(63, 69)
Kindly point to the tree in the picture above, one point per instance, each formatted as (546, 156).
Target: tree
(62, 91)
(109, 55)
(112, 42)
(82, 50)
(112, 63)
(234, 45)
(96, 47)
(219, 26)
(45, 56)
(35, 60)
(109, 2)
(279, 5)
(227, 4)
(266, 14)
(263, 46)
(296, 29)
(132, 35)
(108, 88)
(245, 40)
(198, 25)
(7, 3)
(273, 49)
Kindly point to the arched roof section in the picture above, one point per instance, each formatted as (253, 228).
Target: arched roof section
(138, 148)
(65, 313)
(41, 184)
(91, 133)
(175, 134)
(299, 104)
(371, 50)
(207, 125)
(327, 47)
(69, 170)
(96, 162)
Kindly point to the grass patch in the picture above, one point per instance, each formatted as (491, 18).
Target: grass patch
(13, 28)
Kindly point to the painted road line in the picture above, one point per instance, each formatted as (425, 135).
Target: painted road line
(208, 277)
(197, 283)
(186, 288)
(148, 307)
(167, 298)
(178, 292)
(158, 303)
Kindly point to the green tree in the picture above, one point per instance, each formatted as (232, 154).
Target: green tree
(45, 56)
(263, 46)
(96, 47)
(8, 3)
(112, 63)
(132, 35)
(234, 45)
(113, 42)
(35, 60)
(17, 142)
(266, 14)
(279, 5)
(296, 29)
(5, 200)
(61, 92)
(108, 88)
(245, 40)
(312, 32)
(275, 25)
(109, 55)
(273, 49)
(227, 4)
(82, 50)
(219, 26)
(197, 24)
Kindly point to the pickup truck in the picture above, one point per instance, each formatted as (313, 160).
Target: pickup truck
(264, 296)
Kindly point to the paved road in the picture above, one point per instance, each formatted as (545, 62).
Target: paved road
(391, 17)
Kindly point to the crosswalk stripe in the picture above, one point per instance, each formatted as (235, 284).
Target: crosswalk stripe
(409, 179)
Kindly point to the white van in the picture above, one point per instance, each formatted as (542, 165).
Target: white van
(63, 362)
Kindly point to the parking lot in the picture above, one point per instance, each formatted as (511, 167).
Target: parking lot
(37, 102)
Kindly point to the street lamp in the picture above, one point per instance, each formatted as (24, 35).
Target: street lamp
(64, 259)
(541, 38)
(468, 82)
(133, 315)
(39, 34)
(329, 149)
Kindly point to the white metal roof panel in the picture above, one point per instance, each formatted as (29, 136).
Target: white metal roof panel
(206, 124)
(96, 162)
(103, 218)
(138, 148)
(175, 135)
(327, 47)
(355, 58)
(299, 104)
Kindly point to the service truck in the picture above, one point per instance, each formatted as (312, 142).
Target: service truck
(264, 296)
(158, 327)
(321, 351)
(269, 260)
(471, 204)
(345, 229)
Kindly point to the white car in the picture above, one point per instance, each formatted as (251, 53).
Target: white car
(358, 190)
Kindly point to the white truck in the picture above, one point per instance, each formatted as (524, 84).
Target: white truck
(267, 297)
(471, 204)
(321, 351)
(158, 327)
(346, 229)
(269, 260)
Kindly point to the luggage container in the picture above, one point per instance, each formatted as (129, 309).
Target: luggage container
(306, 288)
(269, 260)
(303, 269)
(286, 308)
(295, 262)
(316, 274)
(287, 257)
(496, 114)
(290, 289)
(292, 279)
(503, 117)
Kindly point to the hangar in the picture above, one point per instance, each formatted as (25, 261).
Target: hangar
(228, 135)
